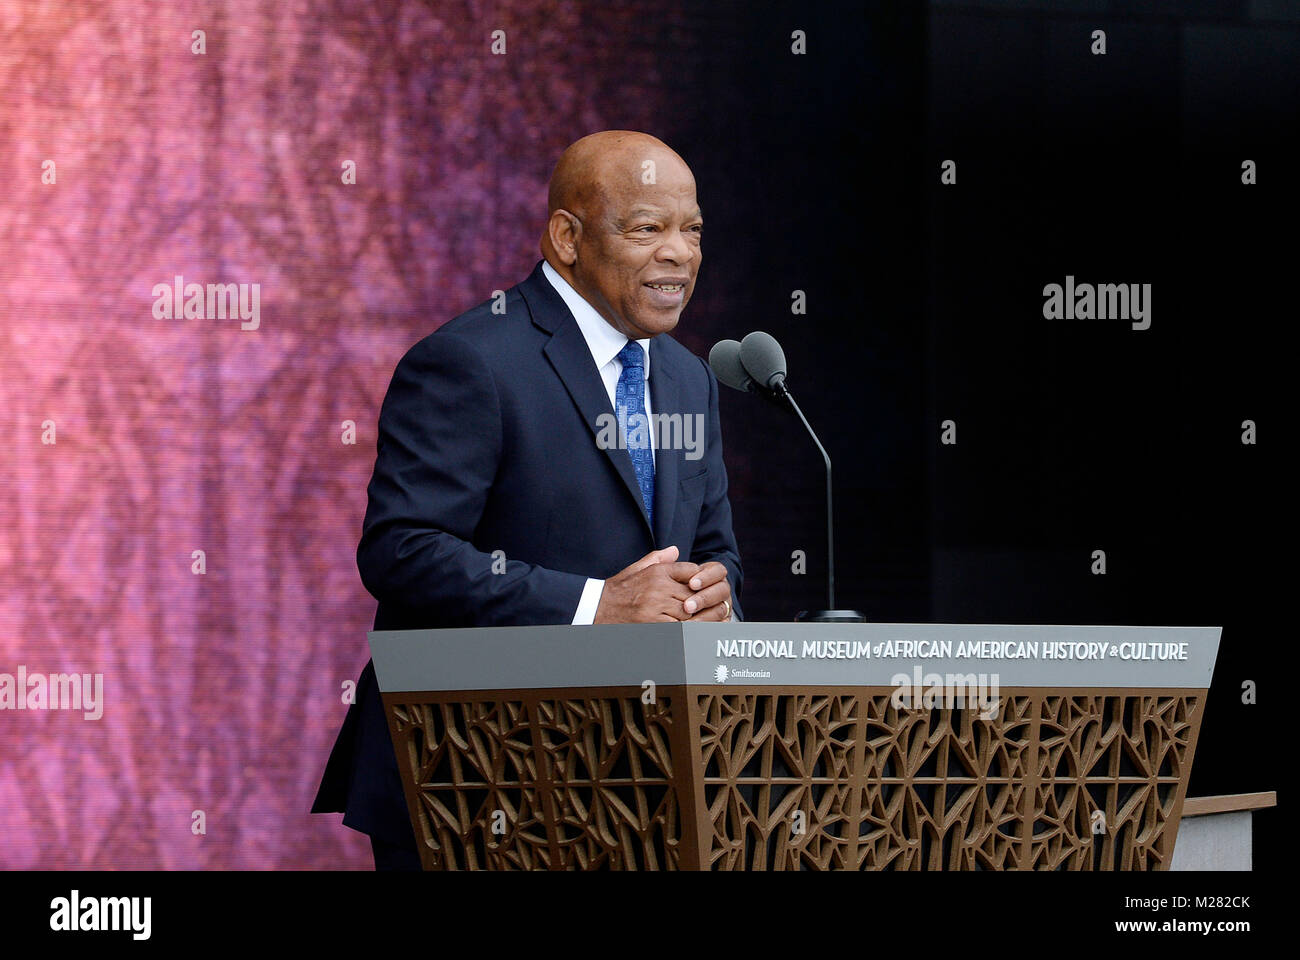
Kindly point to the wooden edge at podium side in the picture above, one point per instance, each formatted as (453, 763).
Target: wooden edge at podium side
(1229, 803)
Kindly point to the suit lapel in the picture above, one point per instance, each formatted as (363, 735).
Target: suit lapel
(664, 399)
(570, 356)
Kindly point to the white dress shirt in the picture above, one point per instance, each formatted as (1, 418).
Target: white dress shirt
(604, 342)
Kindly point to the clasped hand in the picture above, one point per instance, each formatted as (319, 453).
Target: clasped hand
(659, 587)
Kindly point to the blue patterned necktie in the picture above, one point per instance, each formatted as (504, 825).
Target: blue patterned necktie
(629, 403)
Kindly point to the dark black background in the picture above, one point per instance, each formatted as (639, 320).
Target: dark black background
(821, 173)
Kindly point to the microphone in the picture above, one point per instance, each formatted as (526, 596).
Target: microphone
(724, 358)
(764, 360)
(762, 369)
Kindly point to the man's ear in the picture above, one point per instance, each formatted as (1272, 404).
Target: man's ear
(565, 230)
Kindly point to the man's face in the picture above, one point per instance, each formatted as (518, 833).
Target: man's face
(639, 252)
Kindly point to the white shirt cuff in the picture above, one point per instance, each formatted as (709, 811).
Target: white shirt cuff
(588, 603)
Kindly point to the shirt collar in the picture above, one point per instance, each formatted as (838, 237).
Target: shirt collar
(603, 340)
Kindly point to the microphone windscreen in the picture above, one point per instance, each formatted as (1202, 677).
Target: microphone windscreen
(724, 358)
(763, 359)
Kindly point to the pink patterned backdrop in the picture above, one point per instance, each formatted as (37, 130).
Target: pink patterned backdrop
(223, 690)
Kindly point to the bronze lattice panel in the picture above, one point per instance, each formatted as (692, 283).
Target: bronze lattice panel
(879, 787)
(542, 783)
(796, 779)
(1125, 757)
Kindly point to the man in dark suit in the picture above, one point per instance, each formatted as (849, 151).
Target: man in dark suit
(553, 458)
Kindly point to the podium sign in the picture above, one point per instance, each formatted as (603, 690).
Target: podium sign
(813, 746)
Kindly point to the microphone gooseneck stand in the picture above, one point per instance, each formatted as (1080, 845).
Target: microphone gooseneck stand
(830, 614)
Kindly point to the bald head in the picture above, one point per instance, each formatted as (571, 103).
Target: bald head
(602, 160)
(623, 229)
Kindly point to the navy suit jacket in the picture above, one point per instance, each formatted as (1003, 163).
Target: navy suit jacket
(487, 442)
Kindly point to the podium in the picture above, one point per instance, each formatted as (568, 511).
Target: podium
(796, 746)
